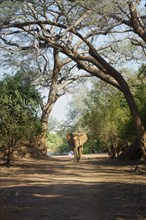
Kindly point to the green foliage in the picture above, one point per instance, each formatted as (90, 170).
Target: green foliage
(8, 10)
(106, 115)
(19, 104)
(57, 143)
(138, 86)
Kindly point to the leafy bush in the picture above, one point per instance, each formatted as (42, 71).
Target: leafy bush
(19, 104)
(57, 144)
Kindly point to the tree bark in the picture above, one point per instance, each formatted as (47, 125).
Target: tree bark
(52, 98)
(136, 118)
(131, 152)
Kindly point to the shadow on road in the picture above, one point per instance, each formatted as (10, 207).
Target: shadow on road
(96, 189)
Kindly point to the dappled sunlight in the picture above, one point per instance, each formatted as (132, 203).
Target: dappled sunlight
(47, 196)
(46, 189)
(76, 199)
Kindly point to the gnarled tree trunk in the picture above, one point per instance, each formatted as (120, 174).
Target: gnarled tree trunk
(141, 134)
(52, 98)
(131, 152)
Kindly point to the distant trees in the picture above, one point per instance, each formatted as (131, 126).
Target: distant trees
(57, 143)
(19, 120)
(103, 112)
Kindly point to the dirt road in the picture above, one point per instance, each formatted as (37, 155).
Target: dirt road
(59, 189)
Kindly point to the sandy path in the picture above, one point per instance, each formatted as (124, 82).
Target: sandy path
(59, 189)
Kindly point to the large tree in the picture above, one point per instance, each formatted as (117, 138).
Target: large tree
(57, 82)
(91, 33)
(50, 72)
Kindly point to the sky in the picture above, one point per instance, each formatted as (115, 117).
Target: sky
(60, 108)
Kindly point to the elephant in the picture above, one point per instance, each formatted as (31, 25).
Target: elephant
(116, 149)
(76, 141)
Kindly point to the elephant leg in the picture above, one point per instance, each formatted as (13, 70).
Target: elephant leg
(80, 152)
(75, 155)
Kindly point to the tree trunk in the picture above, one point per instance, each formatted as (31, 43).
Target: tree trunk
(40, 142)
(8, 156)
(52, 98)
(137, 120)
(131, 152)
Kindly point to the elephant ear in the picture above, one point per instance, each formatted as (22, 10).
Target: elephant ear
(83, 138)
